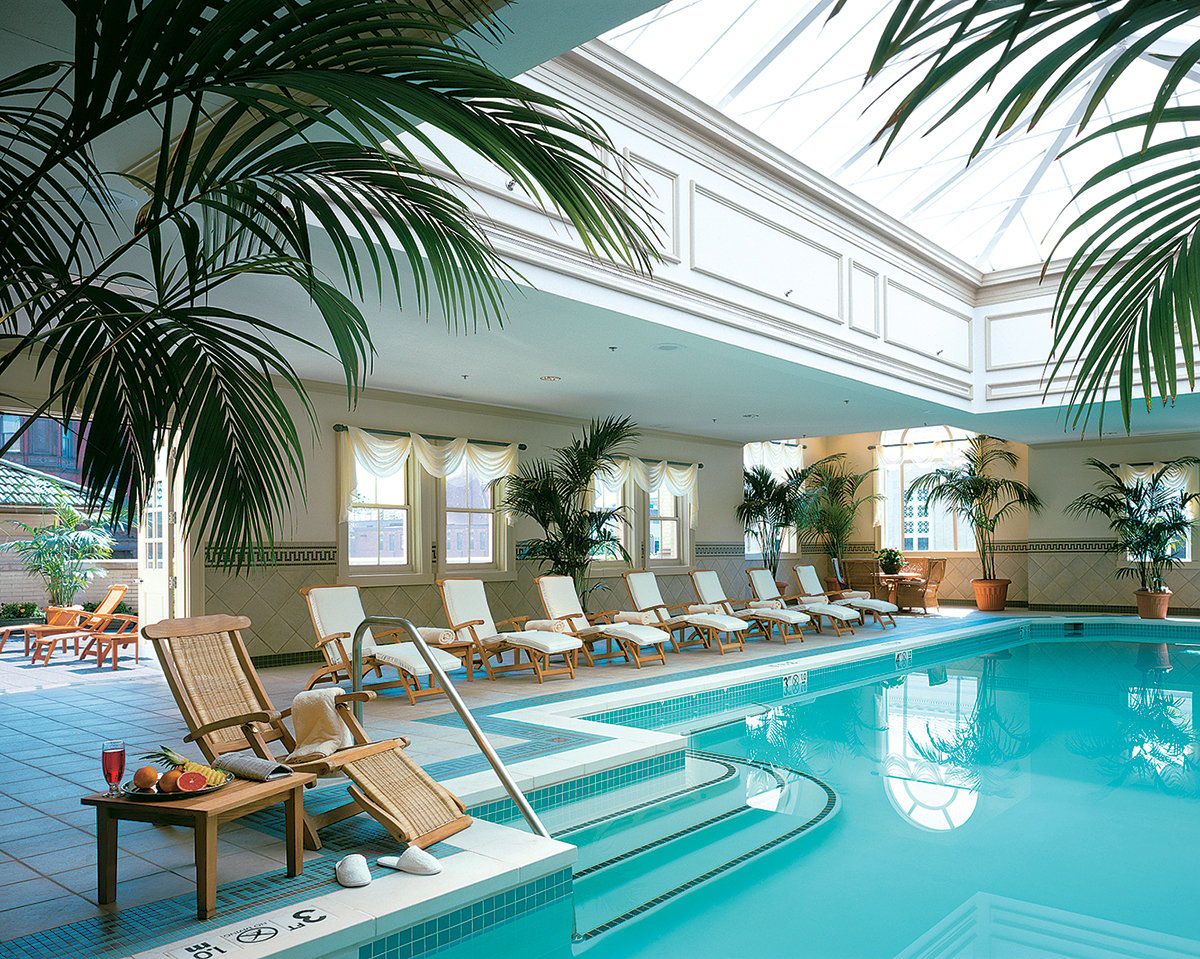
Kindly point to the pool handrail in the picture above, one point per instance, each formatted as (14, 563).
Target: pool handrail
(481, 740)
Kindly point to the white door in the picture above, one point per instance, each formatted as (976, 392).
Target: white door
(157, 576)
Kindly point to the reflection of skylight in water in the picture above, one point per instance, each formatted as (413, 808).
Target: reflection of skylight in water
(785, 71)
(927, 795)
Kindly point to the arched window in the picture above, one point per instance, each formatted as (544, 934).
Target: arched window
(915, 527)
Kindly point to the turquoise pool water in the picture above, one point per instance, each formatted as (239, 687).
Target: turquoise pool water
(1040, 800)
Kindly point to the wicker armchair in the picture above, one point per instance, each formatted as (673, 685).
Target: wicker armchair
(922, 589)
(861, 575)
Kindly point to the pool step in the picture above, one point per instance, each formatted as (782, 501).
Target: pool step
(675, 845)
(623, 829)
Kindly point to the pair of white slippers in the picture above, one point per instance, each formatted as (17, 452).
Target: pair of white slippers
(354, 871)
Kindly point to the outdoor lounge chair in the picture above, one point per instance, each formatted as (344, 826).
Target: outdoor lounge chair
(470, 617)
(767, 596)
(707, 627)
(881, 609)
(791, 622)
(63, 624)
(59, 619)
(226, 709)
(635, 642)
(336, 613)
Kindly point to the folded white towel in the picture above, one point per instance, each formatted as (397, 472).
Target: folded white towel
(320, 732)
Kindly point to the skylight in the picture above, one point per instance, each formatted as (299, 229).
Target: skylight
(788, 73)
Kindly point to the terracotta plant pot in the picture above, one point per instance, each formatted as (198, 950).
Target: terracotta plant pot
(1152, 605)
(990, 594)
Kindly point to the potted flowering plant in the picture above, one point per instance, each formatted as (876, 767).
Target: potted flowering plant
(891, 561)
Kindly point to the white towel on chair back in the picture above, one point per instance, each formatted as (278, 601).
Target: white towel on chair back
(320, 731)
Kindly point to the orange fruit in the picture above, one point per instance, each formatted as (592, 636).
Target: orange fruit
(170, 781)
(146, 777)
(190, 782)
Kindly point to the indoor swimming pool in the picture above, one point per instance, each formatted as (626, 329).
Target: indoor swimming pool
(1038, 797)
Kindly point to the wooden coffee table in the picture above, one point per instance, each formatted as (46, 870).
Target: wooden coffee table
(203, 814)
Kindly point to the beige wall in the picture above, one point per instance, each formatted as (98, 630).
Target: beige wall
(961, 566)
(307, 554)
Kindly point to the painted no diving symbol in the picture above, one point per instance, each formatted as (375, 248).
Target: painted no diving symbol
(257, 934)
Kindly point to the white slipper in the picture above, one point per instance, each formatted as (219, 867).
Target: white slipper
(352, 871)
(414, 860)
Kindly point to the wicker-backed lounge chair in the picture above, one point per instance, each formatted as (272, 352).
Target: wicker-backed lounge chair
(635, 642)
(881, 609)
(767, 596)
(226, 709)
(470, 617)
(336, 613)
(707, 627)
(791, 622)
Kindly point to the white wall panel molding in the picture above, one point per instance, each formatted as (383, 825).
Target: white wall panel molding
(866, 303)
(699, 312)
(740, 246)
(664, 194)
(916, 322)
(1017, 339)
(609, 84)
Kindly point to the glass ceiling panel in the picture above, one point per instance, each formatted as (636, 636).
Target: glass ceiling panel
(783, 70)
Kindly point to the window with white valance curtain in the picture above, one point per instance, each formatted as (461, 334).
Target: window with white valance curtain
(412, 507)
(662, 505)
(902, 456)
(1181, 482)
(780, 457)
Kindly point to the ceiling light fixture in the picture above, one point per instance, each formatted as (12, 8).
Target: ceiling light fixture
(668, 347)
(550, 379)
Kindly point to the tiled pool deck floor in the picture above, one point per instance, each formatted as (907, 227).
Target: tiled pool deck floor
(49, 742)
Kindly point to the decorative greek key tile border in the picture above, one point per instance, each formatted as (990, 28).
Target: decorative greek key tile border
(1004, 546)
(734, 550)
(285, 554)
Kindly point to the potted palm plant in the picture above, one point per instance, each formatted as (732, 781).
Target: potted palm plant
(64, 554)
(1150, 516)
(559, 494)
(975, 492)
(768, 507)
(828, 511)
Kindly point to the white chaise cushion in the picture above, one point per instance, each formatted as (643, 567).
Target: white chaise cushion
(791, 616)
(406, 656)
(637, 633)
(877, 605)
(721, 623)
(843, 613)
(541, 640)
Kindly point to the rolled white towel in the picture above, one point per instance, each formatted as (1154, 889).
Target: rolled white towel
(437, 635)
(642, 619)
(547, 625)
(706, 608)
(765, 604)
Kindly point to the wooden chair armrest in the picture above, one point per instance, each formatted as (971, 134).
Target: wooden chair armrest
(603, 617)
(364, 696)
(512, 620)
(468, 624)
(670, 609)
(322, 640)
(128, 623)
(264, 716)
(791, 598)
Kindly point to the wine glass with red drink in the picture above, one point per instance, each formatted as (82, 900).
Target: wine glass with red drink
(112, 761)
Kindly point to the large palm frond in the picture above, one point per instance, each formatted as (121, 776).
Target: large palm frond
(281, 124)
(1129, 298)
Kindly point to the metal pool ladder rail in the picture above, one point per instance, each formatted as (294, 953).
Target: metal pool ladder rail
(485, 747)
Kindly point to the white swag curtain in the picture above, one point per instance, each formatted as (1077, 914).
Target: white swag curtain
(386, 456)
(649, 476)
(778, 456)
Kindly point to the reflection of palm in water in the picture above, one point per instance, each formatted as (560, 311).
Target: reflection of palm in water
(982, 749)
(1152, 742)
(809, 736)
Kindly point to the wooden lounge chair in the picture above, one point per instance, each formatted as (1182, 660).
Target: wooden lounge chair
(60, 619)
(880, 609)
(67, 624)
(767, 596)
(470, 617)
(109, 642)
(226, 709)
(336, 613)
(635, 642)
(790, 622)
(707, 627)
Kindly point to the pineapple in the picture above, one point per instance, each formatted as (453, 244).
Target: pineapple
(168, 758)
